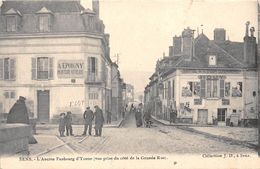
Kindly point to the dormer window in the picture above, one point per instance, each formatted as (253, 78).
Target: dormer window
(11, 24)
(212, 60)
(13, 19)
(44, 23)
(44, 16)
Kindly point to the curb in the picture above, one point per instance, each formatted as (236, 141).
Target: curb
(212, 136)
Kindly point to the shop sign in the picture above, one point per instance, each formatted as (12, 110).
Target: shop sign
(70, 68)
(212, 77)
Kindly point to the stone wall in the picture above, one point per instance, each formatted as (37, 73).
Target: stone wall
(14, 139)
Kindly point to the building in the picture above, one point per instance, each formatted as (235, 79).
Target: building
(56, 54)
(117, 93)
(129, 95)
(206, 81)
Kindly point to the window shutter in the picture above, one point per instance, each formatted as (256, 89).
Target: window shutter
(96, 66)
(1, 69)
(12, 69)
(203, 88)
(222, 88)
(34, 68)
(50, 68)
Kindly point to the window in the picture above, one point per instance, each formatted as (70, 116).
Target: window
(169, 90)
(11, 23)
(212, 88)
(234, 111)
(93, 96)
(92, 65)
(7, 69)
(42, 68)
(9, 94)
(222, 115)
(212, 60)
(197, 101)
(44, 23)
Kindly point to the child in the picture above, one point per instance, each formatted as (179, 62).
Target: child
(69, 124)
(62, 124)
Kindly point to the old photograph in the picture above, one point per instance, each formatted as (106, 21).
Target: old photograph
(129, 84)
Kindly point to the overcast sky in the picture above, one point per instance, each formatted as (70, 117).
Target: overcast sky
(141, 30)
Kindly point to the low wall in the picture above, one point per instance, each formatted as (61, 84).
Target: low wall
(14, 138)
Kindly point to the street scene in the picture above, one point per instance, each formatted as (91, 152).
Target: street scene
(90, 77)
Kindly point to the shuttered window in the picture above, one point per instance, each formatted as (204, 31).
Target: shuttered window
(222, 89)
(169, 90)
(173, 94)
(92, 68)
(203, 88)
(7, 69)
(42, 68)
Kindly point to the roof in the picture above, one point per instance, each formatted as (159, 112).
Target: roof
(66, 16)
(31, 7)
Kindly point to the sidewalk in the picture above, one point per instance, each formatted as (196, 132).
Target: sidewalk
(236, 135)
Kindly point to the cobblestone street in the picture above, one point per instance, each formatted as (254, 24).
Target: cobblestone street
(128, 140)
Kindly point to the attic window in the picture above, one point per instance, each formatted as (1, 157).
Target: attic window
(10, 23)
(212, 60)
(44, 23)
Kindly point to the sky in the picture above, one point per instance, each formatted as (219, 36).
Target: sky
(142, 30)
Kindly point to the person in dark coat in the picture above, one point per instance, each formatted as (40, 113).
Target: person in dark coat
(68, 120)
(99, 120)
(18, 113)
(138, 116)
(62, 124)
(88, 117)
(109, 117)
(171, 114)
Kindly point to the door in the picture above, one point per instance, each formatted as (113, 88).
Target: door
(202, 116)
(222, 116)
(43, 103)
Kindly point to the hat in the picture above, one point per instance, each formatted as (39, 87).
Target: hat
(22, 98)
(88, 107)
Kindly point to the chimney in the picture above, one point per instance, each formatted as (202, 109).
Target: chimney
(171, 51)
(250, 47)
(176, 45)
(219, 35)
(187, 43)
(95, 7)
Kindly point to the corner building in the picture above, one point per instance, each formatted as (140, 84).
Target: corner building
(207, 81)
(56, 54)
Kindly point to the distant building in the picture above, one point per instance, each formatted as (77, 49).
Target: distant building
(129, 93)
(206, 81)
(117, 93)
(56, 54)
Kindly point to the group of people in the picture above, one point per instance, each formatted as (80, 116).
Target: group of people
(141, 115)
(65, 122)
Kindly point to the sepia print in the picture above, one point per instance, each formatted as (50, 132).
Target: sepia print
(129, 84)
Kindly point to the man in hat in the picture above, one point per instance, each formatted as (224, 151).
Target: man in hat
(18, 113)
(99, 120)
(88, 117)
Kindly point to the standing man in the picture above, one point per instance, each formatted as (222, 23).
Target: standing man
(99, 120)
(88, 117)
(171, 114)
(68, 121)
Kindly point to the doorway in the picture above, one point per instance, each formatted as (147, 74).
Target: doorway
(43, 105)
(202, 116)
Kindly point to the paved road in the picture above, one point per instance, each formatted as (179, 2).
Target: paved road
(159, 139)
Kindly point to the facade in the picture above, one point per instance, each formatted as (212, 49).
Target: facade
(117, 93)
(206, 81)
(56, 54)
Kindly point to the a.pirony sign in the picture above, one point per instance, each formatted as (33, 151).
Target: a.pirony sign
(70, 68)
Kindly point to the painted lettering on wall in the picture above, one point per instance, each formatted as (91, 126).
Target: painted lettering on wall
(77, 103)
(70, 68)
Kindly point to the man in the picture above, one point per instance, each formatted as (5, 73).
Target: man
(99, 120)
(68, 122)
(88, 117)
(138, 116)
(18, 113)
(171, 114)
